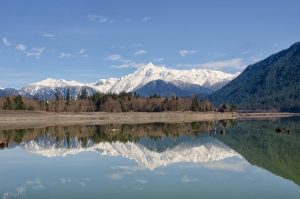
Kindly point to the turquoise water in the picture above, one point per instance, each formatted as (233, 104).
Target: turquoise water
(228, 159)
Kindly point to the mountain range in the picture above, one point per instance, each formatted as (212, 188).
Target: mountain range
(175, 82)
(273, 83)
(270, 84)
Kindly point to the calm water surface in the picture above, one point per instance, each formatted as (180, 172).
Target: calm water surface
(227, 159)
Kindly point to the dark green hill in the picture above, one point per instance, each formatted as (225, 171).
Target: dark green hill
(273, 83)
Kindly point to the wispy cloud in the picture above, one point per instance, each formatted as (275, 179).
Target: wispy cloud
(6, 42)
(142, 181)
(231, 65)
(46, 34)
(65, 180)
(35, 52)
(137, 45)
(116, 176)
(122, 62)
(21, 47)
(64, 55)
(122, 171)
(100, 19)
(187, 179)
(82, 53)
(145, 19)
(239, 165)
(160, 59)
(237, 64)
(114, 57)
(131, 64)
(140, 52)
(184, 53)
(32, 52)
(29, 52)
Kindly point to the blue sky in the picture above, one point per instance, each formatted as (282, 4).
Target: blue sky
(86, 40)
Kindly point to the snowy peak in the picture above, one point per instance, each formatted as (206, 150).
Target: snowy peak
(208, 79)
(150, 72)
(54, 83)
(151, 66)
(103, 85)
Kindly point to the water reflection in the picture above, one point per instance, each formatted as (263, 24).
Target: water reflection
(149, 160)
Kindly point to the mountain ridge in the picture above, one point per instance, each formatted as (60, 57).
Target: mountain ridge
(209, 79)
(272, 83)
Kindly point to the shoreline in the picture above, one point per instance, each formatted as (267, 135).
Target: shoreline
(32, 119)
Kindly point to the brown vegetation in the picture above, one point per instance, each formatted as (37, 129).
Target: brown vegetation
(123, 102)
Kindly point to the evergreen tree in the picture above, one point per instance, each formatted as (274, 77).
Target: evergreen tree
(57, 94)
(68, 96)
(7, 105)
(195, 104)
(83, 94)
(19, 104)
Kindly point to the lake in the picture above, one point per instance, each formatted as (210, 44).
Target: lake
(225, 159)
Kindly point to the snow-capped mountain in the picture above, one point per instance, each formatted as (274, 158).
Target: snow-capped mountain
(103, 85)
(150, 72)
(202, 151)
(47, 88)
(209, 79)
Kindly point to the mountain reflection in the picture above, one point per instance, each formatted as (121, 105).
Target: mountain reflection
(155, 145)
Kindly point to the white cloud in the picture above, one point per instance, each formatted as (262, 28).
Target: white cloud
(137, 45)
(140, 52)
(82, 53)
(99, 19)
(45, 34)
(237, 165)
(65, 180)
(116, 176)
(32, 52)
(6, 42)
(229, 65)
(123, 63)
(184, 53)
(122, 171)
(21, 47)
(145, 19)
(237, 64)
(160, 59)
(35, 184)
(141, 181)
(130, 64)
(187, 179)
(63, 55)
(35, 52)
(114, 57)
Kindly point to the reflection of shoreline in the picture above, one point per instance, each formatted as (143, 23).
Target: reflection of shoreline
(102, 133)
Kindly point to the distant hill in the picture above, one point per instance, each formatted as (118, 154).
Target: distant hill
(273, 83)
(162, 88)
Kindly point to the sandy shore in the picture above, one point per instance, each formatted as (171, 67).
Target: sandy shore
(23, 119)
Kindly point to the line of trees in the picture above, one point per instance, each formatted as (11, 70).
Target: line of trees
(123, 102)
